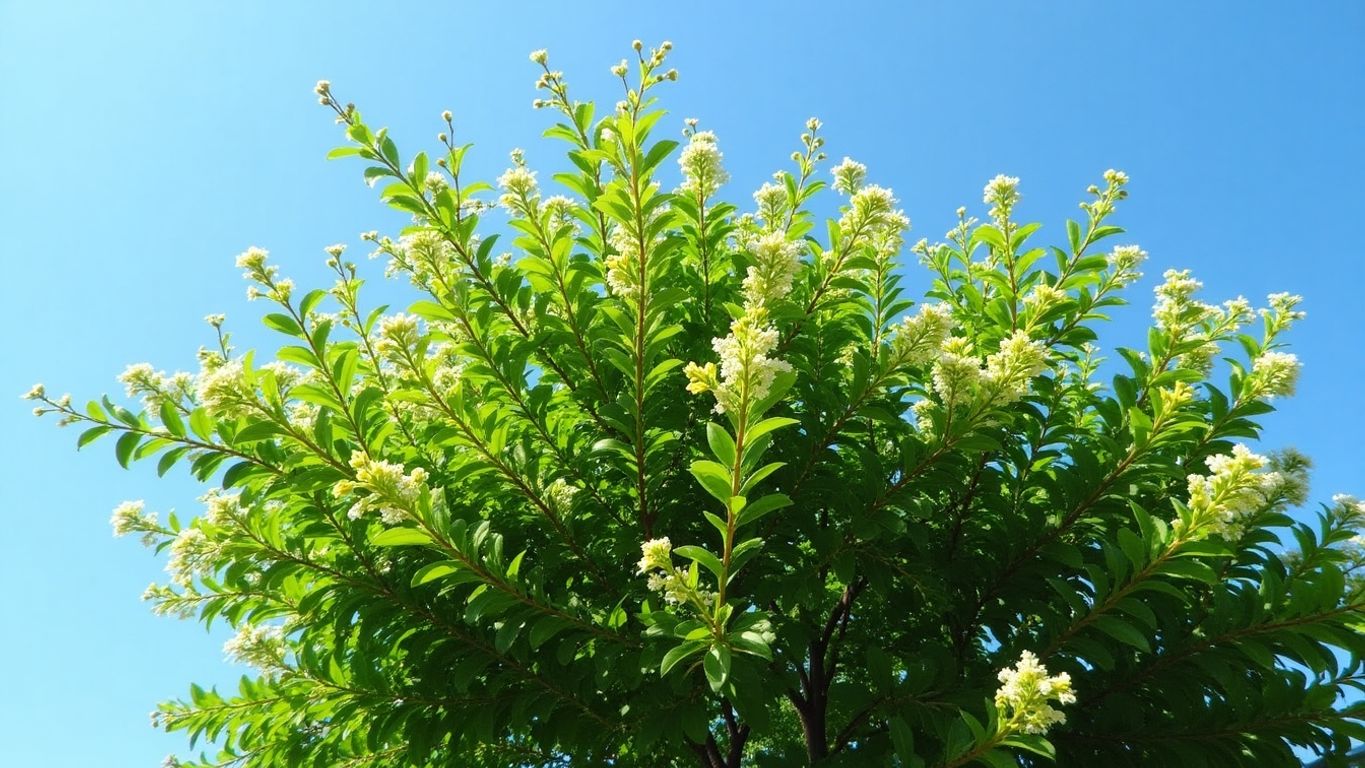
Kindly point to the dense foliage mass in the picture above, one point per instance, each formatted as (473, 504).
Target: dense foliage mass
(667, 483)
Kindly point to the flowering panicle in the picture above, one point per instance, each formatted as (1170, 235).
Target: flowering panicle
(770, 277)
(746, 372)
(772, 203)
(1176, 310)
(130, 517)
(1273, 374)
(869, 209)
(223, 389)
(849, 176)
(193, 554)
(1124, 262)
(1001, 193)
(656, 562)
(1026, 695)
(141, 380)
(222, 509)
(1234, 487)
(392, 492)
(260, 646)
(398, 336)
(700, 162)
(1009, 371)
(917, 339)
(518, 185)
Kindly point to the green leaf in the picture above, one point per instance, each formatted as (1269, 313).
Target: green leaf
(699, 555)
(717, 666)
(761, 507)
(714, 478)
(282, 323)
(679, 653)
(123, 449)
(399, 537)
(722, 445)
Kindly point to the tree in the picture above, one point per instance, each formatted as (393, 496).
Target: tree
(675, 484)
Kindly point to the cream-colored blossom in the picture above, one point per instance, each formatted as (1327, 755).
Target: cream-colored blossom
(1234, 487)
(770, 277)
(1026, 694)
(1001, 193)
(1273, 374)
(849, 176)
(258, 645)
(701, 166)
(917, 339)
(192, 554)
(655, 554)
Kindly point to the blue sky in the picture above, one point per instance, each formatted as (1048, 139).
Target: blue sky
(148, 143)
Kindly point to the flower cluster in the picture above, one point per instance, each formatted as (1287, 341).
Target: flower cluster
(916, 340)
(871, 208)
(560, 494)
(700, 162)
(1027, 693)
(1176, 309)
(770, 277)
(193, 554)
(1001, 193)
(260, 646)
(772, 203)
(656, 561)
(130, 517)
(849, 176)
(518, 185)
(398, 335)
(222, 509)
(223, 389)
(1124, 262)
(392, 492)
(141, 380)
(253, 264)
(1234, 487)
(624, 268)
(1273, 374)
(1009, 371)
(746, 371)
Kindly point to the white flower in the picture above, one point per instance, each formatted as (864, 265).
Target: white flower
(746, 371)
(1176, 309)
(772, 202)
(398, 335)
(775, 262)
(540, 56)
(394, 493)
(257, 645)
(917, 338)
(1274, 374)
(129, 517)
(516, 183)
(1001, 193)
(700, 162)
(223, 389)
(253, 260)
(1234, 487)
(35, 392)
(1010, 370)
(192, 554)
(1026, 693)
(868, 209)
(656, 555)
(849, 176)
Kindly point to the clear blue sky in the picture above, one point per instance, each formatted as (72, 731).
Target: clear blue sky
(148, 143)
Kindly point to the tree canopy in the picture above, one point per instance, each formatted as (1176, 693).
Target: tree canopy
(654, 478)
